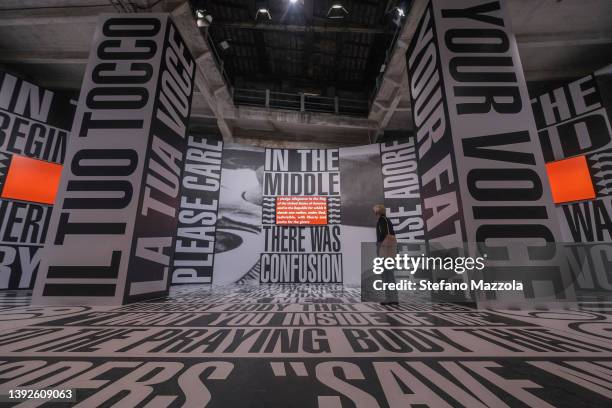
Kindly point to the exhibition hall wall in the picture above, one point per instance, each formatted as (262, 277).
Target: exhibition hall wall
(226, 216)
(576, 138)
(248, 204)
(34, 127)
(144, 203)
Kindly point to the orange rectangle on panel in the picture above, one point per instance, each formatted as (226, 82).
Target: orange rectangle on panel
(32, 180)
(570, 180)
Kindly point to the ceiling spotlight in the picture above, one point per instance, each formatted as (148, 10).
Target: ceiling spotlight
(263, 14)
(293, 1)
(224, 45)
(337, 11)
(203, 19)
(397, 13)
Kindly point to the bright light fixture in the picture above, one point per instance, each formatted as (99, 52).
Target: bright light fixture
(337, 10)
(203, 19)
(263, 13)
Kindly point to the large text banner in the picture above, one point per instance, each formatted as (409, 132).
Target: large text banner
(112, 231)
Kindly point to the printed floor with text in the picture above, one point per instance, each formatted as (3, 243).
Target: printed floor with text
(304, 346)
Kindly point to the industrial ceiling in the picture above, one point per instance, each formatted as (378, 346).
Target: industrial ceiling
(298, 51)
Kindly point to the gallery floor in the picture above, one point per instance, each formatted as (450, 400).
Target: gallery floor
(305, 346)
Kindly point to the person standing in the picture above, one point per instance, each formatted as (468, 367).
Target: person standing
(386, 246)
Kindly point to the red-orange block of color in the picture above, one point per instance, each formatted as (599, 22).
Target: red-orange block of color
(570, 180)
(32, 180)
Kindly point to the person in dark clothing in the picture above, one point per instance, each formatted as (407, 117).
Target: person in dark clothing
(384, 227)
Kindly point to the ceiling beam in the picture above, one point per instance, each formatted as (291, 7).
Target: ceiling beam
(359, 29)
(535, 75)
(44, 57)
(298, 118)
(549, 40)
(301, 81)
(52, 16)
(296, 50)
